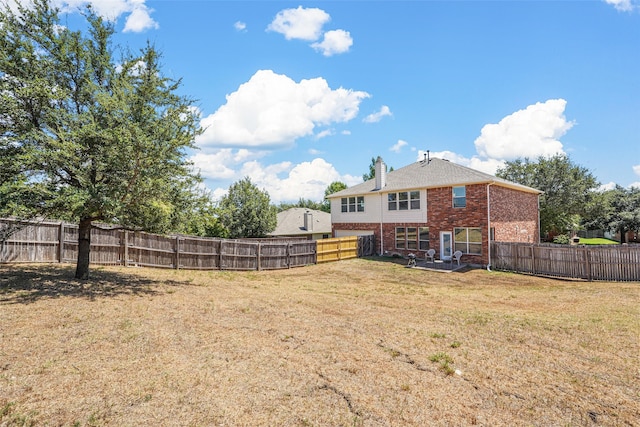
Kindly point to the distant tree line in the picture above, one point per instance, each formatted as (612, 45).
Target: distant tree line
(571, 200)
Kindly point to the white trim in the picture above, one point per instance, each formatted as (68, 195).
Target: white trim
(443, 255)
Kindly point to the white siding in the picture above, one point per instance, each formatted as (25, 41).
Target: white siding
(371, 211)
(375, 208)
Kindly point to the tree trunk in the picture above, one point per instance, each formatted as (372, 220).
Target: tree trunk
(84, 247)
(623, 235)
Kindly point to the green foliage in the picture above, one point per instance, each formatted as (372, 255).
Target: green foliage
(85, 136)
(616, 210)
(445, 362)
(302, 203)
(246, 211)
(372, 170)
(567, 189)
(561, 239)
(334, 187)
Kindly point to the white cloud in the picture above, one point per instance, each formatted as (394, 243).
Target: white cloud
(273, 110)
(325, 133)
(608, 186)
(287, 182)
(334, 41)
(635, 184)
(300, 23)
(376, 117)
(240, 26)
(622, 5)
(485, 165)
(532, 132)
(398, 146)
(214, 165)
(138, 19)
(636, 169)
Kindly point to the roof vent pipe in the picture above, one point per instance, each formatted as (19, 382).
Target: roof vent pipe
(381, 174)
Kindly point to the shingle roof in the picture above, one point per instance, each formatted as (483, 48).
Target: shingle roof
(291, 222)
(430, 174)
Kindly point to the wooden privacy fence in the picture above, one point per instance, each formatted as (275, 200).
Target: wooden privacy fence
(606, 262)
(58, 242)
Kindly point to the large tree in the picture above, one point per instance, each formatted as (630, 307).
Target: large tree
(567, 188)
(85, 136)
(616, 210)
(246, 211)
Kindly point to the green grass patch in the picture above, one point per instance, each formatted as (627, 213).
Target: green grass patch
(598, 241)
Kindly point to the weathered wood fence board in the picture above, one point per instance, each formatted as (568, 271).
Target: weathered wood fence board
(58, 242)
(366, 245)
(606, 262)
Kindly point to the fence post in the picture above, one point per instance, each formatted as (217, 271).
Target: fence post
(61, 241)
(258, 255)
(220, 255)
(177, 249)
(533, 260)
(126, 247)
(587, 258)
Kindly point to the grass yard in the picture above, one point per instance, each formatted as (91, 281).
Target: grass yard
(354, 343)
(597, 241)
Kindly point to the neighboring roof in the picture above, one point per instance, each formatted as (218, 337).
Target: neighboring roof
(291, 223)
(430, 174)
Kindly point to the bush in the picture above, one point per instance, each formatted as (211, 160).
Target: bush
(561, 239)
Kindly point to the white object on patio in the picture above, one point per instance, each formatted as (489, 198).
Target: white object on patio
(457, 255)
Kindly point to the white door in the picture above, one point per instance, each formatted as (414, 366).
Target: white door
(445, 245)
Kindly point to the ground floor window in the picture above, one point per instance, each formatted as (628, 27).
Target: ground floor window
(468, 240)
(412, 238)
(423, 238)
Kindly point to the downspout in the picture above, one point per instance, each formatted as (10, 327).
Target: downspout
(381, 235)
(539, 230)
(489, 227)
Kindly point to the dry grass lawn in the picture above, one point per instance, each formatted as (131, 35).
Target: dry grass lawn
(354, 343)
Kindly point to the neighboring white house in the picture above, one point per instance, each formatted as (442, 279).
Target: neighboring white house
(303, 222)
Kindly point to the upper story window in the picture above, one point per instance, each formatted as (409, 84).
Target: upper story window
(353, 204)
(404, 200)
(459, 197)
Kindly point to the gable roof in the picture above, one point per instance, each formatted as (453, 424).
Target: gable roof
(430, 174)
(291, 223)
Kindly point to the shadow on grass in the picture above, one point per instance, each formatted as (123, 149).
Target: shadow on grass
(25, 284)
(421, 264)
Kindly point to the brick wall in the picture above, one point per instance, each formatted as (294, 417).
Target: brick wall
(442, 216)
(514, 215)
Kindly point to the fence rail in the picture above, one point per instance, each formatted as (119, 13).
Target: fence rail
(605, 262)
(58, 242)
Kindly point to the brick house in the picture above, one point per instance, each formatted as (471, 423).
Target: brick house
(437, 204)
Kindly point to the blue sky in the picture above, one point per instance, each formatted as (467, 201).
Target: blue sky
(296, 95)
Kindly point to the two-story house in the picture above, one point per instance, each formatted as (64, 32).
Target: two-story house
(437, 204)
